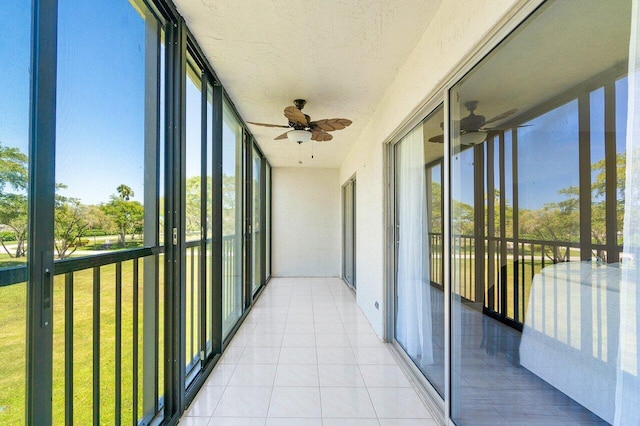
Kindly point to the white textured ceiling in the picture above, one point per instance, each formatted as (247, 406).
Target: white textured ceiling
(339, 55)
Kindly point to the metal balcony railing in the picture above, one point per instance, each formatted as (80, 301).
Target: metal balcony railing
(107, 336)
(109, 313)
(507, 269)
(109, 328)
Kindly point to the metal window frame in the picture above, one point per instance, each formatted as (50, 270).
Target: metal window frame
(40, 268)
(174, 259)
(42, 144)
(246, 220)
(268, 219)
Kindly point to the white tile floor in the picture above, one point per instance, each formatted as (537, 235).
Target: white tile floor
(306, 355)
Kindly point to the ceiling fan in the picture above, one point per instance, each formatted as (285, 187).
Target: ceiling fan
(473, 125)
(303, 128)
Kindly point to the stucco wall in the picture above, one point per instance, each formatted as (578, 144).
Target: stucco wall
(306, 237)
(455, 31)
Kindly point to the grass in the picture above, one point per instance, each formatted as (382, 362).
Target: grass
(13, 323)
(13, 342)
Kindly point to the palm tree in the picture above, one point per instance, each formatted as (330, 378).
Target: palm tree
(125, 192)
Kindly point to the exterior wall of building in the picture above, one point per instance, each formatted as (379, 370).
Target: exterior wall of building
(306, 232)
(454, 33)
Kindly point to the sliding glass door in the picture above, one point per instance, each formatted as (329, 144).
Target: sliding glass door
(419, 315)
(267, 231)
(256, 231)
(232, 219)
(349, 232)
(544, 307)
(194, 201)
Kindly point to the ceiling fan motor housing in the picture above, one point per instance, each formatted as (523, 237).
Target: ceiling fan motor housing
(472, 122)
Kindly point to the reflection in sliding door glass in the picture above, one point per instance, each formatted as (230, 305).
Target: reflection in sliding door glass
(419, 327)
(193, 216)
(256, 221)
(538, 182)
(232, 195)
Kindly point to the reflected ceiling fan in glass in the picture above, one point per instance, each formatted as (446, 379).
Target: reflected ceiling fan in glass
(472, 130)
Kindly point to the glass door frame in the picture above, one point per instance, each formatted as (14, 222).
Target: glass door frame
(210, 346)
(250, 145)
(434, 400)
(441, 94)
(201, 266)
(349, 244)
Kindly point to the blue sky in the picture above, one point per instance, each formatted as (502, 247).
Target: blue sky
(100, 127)
(15, 21)
(548, 152)
(100, 99)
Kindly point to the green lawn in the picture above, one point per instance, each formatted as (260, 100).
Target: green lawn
(13, 325)
(12, 347)
(13, 342)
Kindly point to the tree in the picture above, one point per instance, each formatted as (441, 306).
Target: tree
(13, 214)
(125, 192)
(462, 218)
(435, 213)
(598, 197)
(98, 221)
(556, 222)
(229, 207)
(126, 215)
(13, 204)
(70, 223)
(192, 205)
(560, 222)
(13, 169)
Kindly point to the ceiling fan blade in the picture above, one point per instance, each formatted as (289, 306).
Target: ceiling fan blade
(330, 124)
(268, 125)
(437, 139)
(282, 136)
(294, 115)
(320, 136)
(501, 116)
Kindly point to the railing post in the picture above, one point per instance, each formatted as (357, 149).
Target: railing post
(68, 348)
(41, 200)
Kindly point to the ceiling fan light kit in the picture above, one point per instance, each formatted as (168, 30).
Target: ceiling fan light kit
(299, 136)
(472, 138)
